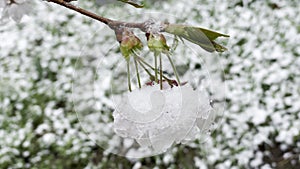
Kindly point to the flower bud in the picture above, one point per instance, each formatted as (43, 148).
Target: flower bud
(129, 43)
(157, 43)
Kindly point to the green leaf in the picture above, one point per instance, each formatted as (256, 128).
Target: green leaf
(132, 3)
(200, 36)
(212, 35)
(218, 47)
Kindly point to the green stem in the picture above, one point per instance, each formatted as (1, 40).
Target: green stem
(139, 59)
(160, 72)
(143, 66)
(174, 69)
(142, 62)
(137, 73)
(128, 74)
(155, 67)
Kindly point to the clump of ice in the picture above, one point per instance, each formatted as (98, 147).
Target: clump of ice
(153, 26)
(159, 118)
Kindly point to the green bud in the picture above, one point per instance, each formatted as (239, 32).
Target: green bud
(200, 36)
(157, 43)
(129, 44)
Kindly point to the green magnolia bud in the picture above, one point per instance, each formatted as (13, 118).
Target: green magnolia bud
(200, 36)
(129, 44)
(157, 43)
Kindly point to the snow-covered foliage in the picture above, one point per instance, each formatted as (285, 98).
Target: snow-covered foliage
(59, 72)
(14, 9)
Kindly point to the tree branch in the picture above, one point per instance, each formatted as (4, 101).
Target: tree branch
(111, 23)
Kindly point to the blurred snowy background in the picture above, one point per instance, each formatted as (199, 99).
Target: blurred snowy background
(41, 98)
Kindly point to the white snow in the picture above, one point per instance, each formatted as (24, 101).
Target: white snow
(86, 78)
(15, 10)
(49, 138)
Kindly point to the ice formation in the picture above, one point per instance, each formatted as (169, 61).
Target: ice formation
(153, 26)
(159, 118)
